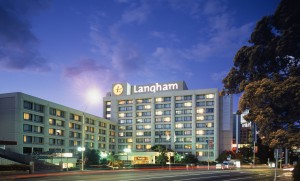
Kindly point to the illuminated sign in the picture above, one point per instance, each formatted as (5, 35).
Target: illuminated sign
(155, 88)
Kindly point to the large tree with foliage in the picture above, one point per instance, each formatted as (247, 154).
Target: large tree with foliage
(267, 72)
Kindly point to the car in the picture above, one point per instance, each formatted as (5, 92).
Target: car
(227, 165)
(219, 166)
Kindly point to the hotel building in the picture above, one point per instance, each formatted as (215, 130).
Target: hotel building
(40, 126)
(134, 116)
(187, 121)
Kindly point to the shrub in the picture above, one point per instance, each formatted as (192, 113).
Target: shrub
(296, 172)
(14, 167)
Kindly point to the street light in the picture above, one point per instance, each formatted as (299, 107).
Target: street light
(81, 149)
(207, 141)
(127, 151)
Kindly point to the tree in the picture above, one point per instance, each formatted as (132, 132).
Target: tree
(189, 158)
(162, 157)
(267, 72)
(92, 156)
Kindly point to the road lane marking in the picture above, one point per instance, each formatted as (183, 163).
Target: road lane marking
(240, 178)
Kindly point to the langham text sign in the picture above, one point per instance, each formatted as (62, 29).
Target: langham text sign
(155, 88)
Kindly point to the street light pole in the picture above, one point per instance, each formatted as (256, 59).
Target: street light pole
(127, 150)
(207, 141)
(82, 144)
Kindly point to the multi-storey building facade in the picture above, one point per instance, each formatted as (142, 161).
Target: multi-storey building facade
(40, 126)
(136, 117)
(187, 121)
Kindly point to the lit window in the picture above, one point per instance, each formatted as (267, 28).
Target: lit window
(122, 102)
(147, 106)
(200, 110)
(167, 119)
(129, 140)
(187, 104)
(209, 96)
(148, 146)
(139, 133)
(108, 115)
(108, 109)
(121, 115)
(201, 118)
(121, 127)
(58, 113)
(200, 153)
(26, 116)
(147, 126)
(179, 126)
(187, 146)
(76, 117)
(199, 132)
(199, 146)
(159, 99)
(158, 113)
(51, 131)
(209, 125)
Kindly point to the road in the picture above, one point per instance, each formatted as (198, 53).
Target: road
(164, 175)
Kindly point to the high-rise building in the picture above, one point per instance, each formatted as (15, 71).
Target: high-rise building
(135, 116)
(187, 121)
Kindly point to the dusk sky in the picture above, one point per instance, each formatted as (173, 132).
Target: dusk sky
(59, 50)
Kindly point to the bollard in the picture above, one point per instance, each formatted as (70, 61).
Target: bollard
(31, 167)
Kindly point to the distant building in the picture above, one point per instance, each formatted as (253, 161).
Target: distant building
(243, 134)
(172, 115)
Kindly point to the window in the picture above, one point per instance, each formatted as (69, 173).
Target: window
(187, 132)
(188, 104)
(147, 133)
(200, 97)
(38, 108)
(27, 117)
(125, 121)
(38, 140)
(102, 124)
(209, 110)
(28, 105)
(27, 128)
(200, 110)
(209, 103)
(179, 126)
(199, 132)
(38, 118)
(52, 131)
(38, 129)
(200, 118)
(140, 133)
(56, 112)
(209, 96)
(27, 139)
(200, 104)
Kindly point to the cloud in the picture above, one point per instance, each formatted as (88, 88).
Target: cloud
(222, 37)
(83, 66)
(18, 44)
(166, 37)
(219, 76)
(136, 14)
